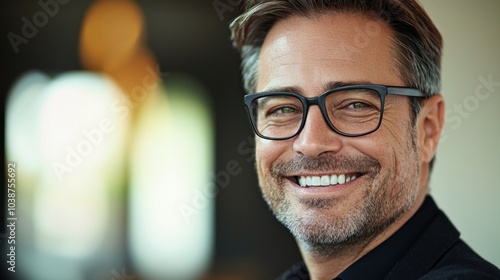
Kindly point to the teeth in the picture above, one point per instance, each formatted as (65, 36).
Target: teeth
(316, 181)
(341, 179)
(333, 180)
(302, 181)
(325, 180)
(309, 181)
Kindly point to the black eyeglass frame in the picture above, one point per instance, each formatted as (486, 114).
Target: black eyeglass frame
(382, 90)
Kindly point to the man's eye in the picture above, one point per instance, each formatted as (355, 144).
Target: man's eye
(358, 105)
(286, 110)
(282, 111)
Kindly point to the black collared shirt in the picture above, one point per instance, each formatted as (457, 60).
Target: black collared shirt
(377, 263)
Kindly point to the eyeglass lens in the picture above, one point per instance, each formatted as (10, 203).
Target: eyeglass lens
(352, 111)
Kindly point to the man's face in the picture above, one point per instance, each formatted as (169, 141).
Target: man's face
(309, 55)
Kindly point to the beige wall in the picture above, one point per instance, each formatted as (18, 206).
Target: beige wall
(465, 181)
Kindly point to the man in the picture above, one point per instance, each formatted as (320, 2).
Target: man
(344, 99)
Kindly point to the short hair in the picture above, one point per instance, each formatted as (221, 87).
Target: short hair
(417, 43)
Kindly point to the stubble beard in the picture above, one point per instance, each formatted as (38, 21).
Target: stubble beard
(383, 202)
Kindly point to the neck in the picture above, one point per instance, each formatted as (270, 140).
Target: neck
(325, 262)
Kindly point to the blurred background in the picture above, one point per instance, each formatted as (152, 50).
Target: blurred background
(134, 155)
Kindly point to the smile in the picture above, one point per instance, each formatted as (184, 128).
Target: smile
(325, 180)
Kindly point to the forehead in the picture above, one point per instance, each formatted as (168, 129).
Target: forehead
(327, 48)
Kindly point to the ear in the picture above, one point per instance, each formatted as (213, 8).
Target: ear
(430, 125)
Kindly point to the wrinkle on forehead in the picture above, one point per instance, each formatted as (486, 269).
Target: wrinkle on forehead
(309, 49)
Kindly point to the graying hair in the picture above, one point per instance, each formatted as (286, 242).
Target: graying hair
(417, 43)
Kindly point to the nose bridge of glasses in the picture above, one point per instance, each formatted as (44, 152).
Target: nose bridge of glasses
(316, 101)
(312, 100)
(314, 121)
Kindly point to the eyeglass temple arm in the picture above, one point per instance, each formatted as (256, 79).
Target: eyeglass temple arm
(405, 91)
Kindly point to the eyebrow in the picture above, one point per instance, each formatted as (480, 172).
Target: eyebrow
(263, 101)
(328, 86)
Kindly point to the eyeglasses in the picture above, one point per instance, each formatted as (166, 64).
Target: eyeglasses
(353, 110)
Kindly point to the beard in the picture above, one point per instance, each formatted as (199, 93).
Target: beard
(323, 232)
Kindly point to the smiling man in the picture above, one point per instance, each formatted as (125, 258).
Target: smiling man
(344, 99)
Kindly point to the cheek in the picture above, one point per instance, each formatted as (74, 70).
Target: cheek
(393, 146)
(393, 141)
(376, 146)
(384, 147)
(267, 152)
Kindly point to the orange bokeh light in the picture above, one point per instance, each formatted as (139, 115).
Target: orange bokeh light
(112, 32)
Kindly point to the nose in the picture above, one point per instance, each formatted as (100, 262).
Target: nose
(316, 138)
